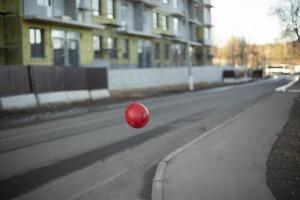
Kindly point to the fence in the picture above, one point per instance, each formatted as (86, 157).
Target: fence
(124, 79)
(16, 80)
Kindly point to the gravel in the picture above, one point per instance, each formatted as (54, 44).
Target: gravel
(283, 166)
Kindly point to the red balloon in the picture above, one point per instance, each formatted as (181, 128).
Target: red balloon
(136, 115)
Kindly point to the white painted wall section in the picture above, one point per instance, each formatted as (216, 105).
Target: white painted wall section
(51, 97)
(18, 102)
(157, 77)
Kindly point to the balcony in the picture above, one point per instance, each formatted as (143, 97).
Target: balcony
(59, 11)
(177, 12)
(62, 21)
(136, 19)
(149, 3)
(207, 3)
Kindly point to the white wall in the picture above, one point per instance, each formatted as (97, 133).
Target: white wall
(157, 77)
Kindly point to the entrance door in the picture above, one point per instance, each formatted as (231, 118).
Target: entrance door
(144, 54)
(58, 51)
(148, 54)
(73, 52)
(65, 48)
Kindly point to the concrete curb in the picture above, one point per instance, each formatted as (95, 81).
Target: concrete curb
(99, 94)
(18, 102)
(33, 100)
(159, 179)
(285, 87)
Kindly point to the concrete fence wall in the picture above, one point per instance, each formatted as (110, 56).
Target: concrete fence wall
(119, 79)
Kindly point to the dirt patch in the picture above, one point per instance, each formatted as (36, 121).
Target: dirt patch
(283, 166)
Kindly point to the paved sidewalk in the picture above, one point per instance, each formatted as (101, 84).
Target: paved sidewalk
(230, 163)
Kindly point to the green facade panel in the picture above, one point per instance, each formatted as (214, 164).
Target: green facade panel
(17, 35)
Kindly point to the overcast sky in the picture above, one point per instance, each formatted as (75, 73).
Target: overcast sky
(245, 18)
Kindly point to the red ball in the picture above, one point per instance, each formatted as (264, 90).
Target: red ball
(136, 115)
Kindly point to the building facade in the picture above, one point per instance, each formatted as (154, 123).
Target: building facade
(110, 33)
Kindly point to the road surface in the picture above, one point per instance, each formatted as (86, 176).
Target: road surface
(97, 156)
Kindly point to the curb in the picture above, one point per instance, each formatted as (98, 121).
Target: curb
(159, 179)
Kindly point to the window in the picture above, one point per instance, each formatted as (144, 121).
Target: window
(110, 43)
(206, 15)
(112, 46)
(97, 45)
(167, 49)
(175, 3)
(176, 54)
(165, 1)
(124, 14)
(110, 9)
(165, 23)
(96, 7)
(183, 53)
(139, 16)
(44, 2)
(36, 40)
(155, 20)
(57, 43)
(157, 51)
(72, 44)
(207, 36)
(176, 25)
(126, 49)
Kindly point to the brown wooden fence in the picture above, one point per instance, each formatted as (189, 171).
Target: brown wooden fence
(15, 80)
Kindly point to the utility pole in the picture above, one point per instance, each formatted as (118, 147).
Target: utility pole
(188, 57)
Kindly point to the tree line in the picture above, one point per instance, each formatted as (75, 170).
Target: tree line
(237, 52)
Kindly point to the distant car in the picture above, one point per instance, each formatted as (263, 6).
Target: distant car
(297, 69)
(278, 70)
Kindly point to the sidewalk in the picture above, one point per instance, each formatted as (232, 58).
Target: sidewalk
(230, 162)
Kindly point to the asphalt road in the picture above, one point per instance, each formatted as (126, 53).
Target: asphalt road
(97, 156)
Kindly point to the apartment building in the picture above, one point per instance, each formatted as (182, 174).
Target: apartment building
(110, 33)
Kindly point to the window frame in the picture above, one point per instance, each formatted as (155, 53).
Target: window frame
(126, 48)
(37, 43)
(167, 51)
(46, 3)
(165, 23)
(176, 26)
(155, 20)
(175, 4)
(157, 51)
(111, 9)
(112, 47)
(96, 7)
(98, 52)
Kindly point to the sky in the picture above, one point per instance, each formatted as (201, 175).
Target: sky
(250, 19)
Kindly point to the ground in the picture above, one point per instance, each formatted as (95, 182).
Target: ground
(283, 166)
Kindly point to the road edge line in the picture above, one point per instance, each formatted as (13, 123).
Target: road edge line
(158, 181)
(285, 87)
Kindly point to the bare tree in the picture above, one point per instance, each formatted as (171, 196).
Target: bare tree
(243, 51)
(289, 13)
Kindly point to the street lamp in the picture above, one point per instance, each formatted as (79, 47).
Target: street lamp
(188, 57)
